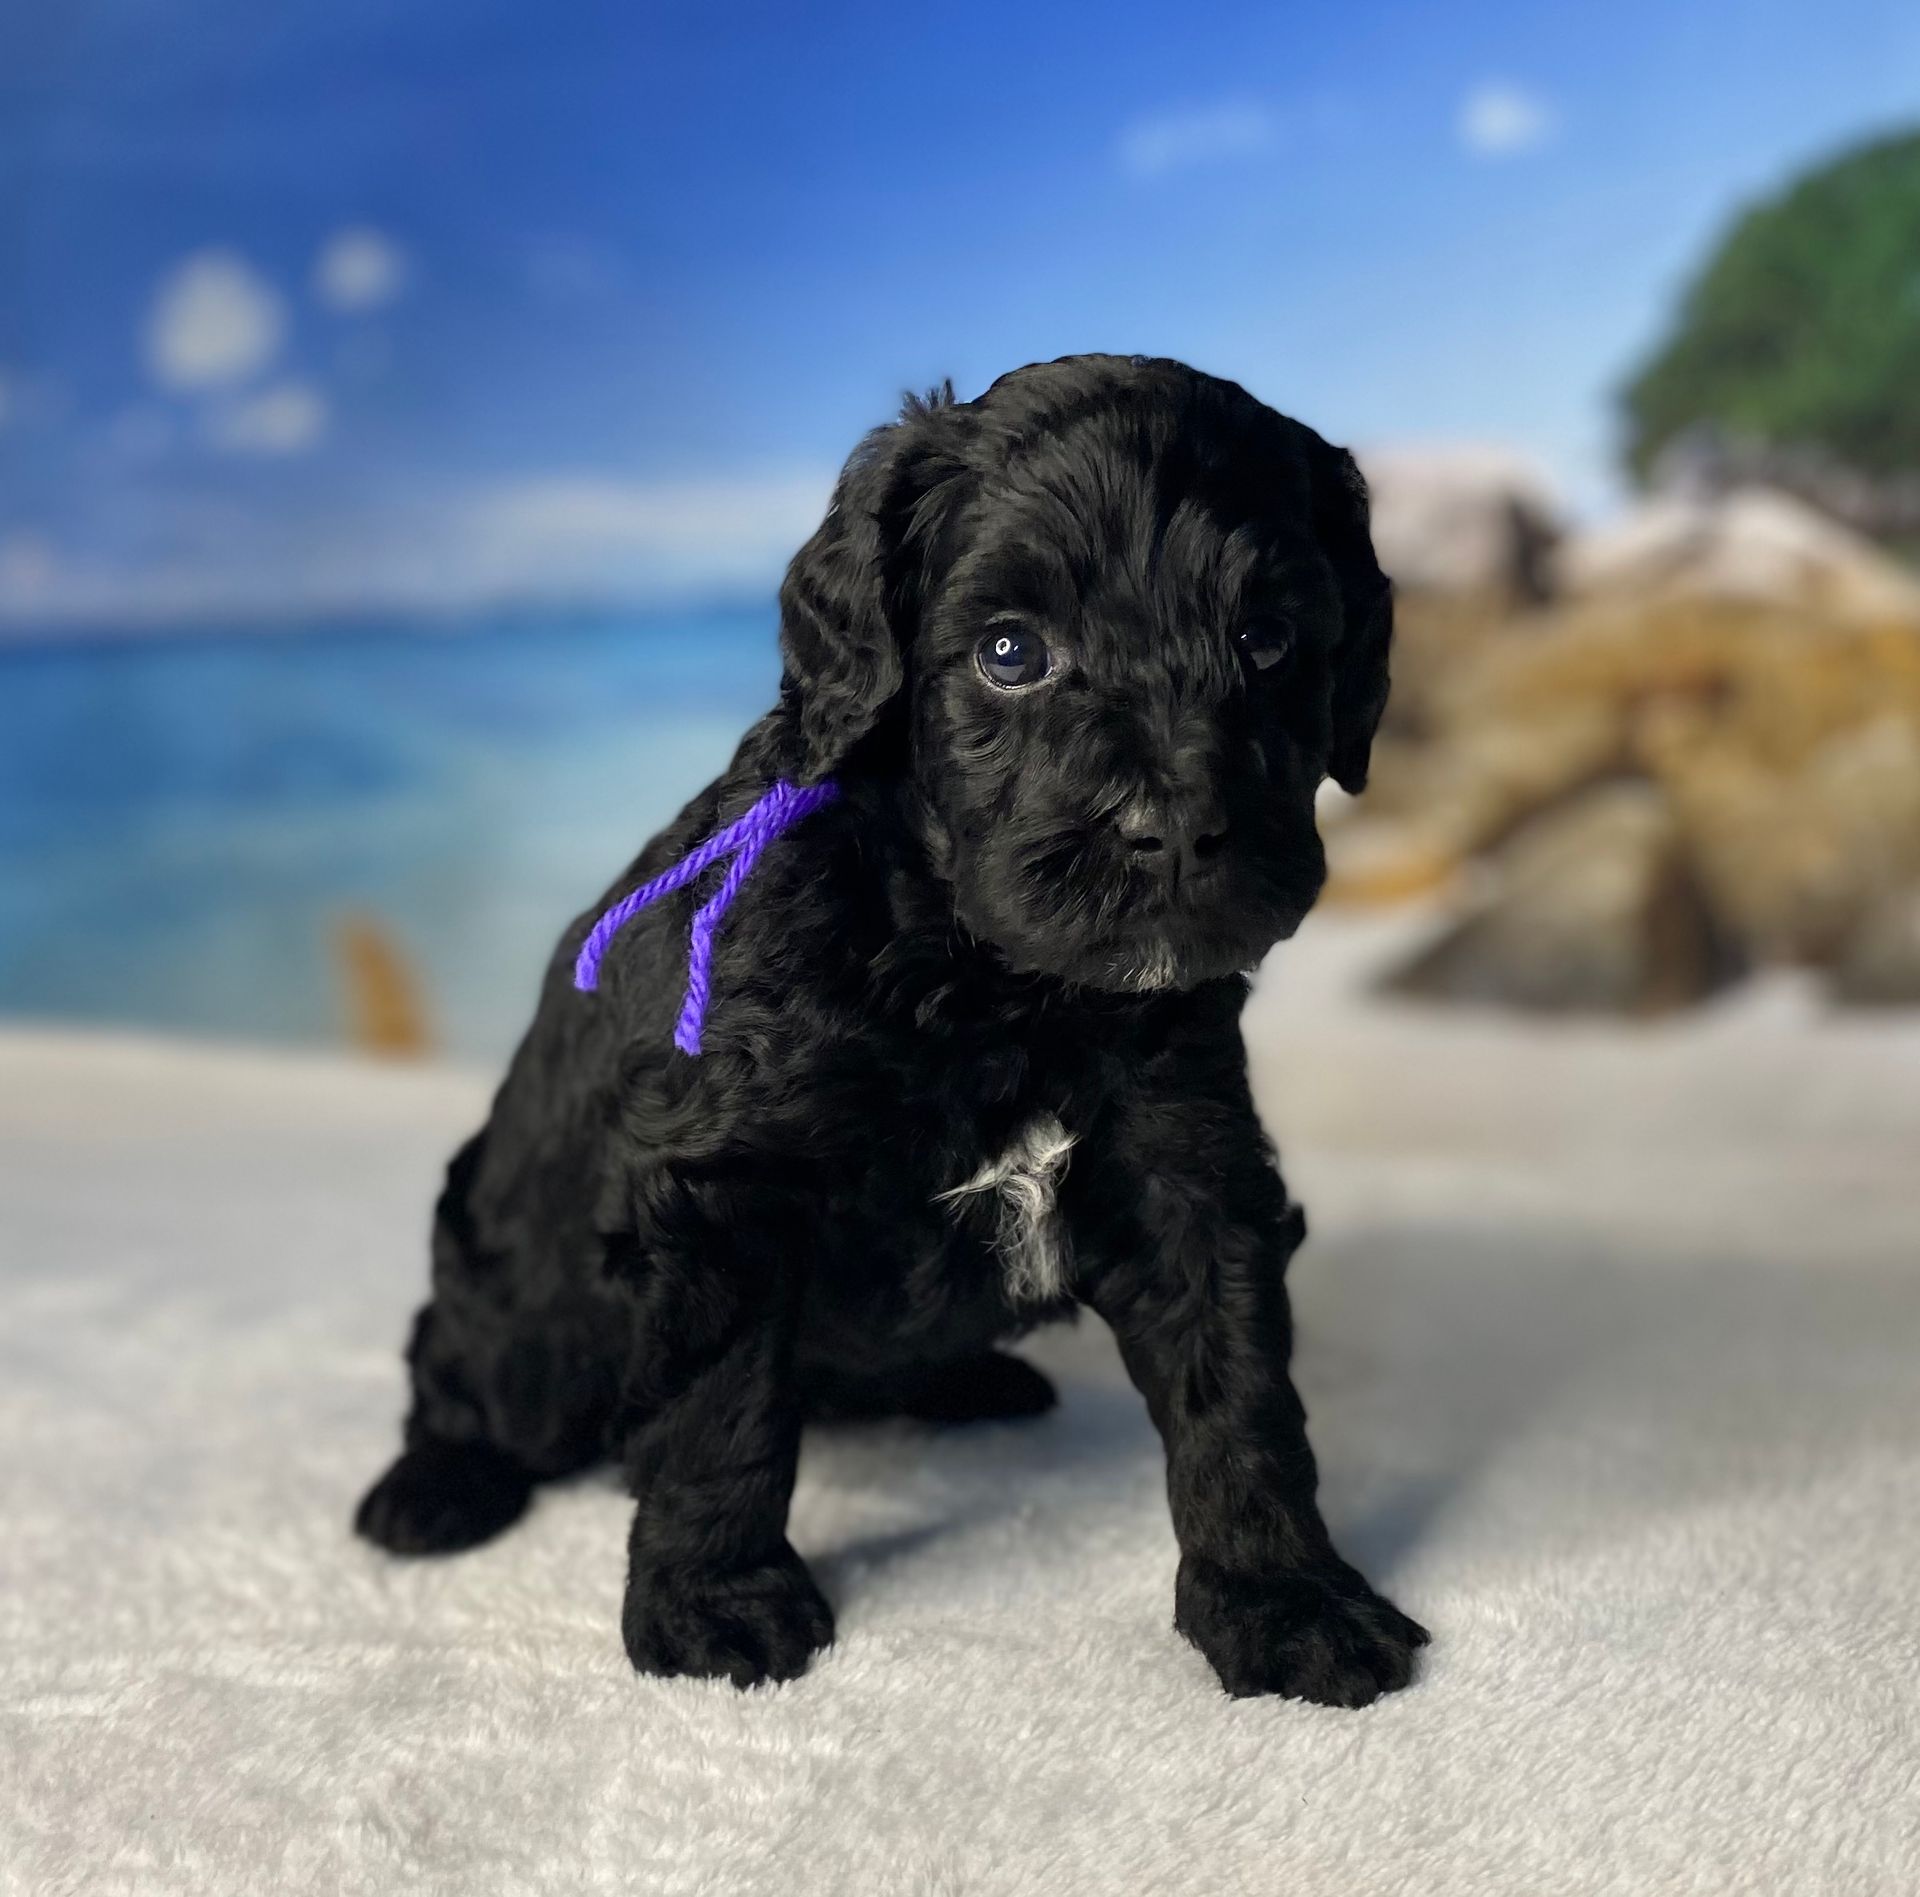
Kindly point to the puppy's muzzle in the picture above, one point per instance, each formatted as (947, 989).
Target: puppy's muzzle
(1174, 841)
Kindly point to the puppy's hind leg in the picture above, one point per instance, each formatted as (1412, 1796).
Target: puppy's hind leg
(496, 1409)
(453, 1486)
(441, 1497)
(509, 1388)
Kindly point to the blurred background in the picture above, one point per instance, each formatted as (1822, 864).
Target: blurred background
(406, 410)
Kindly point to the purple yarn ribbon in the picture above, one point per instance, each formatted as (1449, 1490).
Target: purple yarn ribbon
(745, 839)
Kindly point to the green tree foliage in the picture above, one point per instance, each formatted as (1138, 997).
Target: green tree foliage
(1804, 329)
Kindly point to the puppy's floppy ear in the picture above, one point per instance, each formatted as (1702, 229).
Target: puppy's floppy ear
(1366, 612)
(851, 595)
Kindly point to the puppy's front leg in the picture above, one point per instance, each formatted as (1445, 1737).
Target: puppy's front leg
(1192, 1284)
(713, 1585)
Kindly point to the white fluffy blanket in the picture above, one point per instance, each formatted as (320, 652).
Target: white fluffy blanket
(1612, 1345)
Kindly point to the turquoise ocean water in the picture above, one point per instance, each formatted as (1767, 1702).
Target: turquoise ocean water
(185, 819)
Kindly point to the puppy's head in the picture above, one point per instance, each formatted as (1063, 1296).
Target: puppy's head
(1110, 625)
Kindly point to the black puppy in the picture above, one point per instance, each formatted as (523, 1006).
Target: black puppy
(1078, 655)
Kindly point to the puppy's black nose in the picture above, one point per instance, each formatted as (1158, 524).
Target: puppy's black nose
(1174, 840)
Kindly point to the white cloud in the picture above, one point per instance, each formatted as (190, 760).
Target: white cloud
(1498, 120)
(575, 531)
(1201, 135)
(559, 537)
(287, 418)
(214, 322)
(359, 269)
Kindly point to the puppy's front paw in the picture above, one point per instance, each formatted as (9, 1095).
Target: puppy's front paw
(747, 1625)
(1322, 1634)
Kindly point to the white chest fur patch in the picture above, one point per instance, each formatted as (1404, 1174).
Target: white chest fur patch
(1025, 1179)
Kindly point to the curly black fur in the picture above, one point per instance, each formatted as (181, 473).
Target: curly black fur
(1029, 909)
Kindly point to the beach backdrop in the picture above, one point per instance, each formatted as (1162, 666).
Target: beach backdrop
(197, 828)
(406, 412)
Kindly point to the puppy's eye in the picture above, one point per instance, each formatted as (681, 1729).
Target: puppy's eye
(1010, 656)
(1265, 642)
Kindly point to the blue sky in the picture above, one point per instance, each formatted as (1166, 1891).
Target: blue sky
(422, 302)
